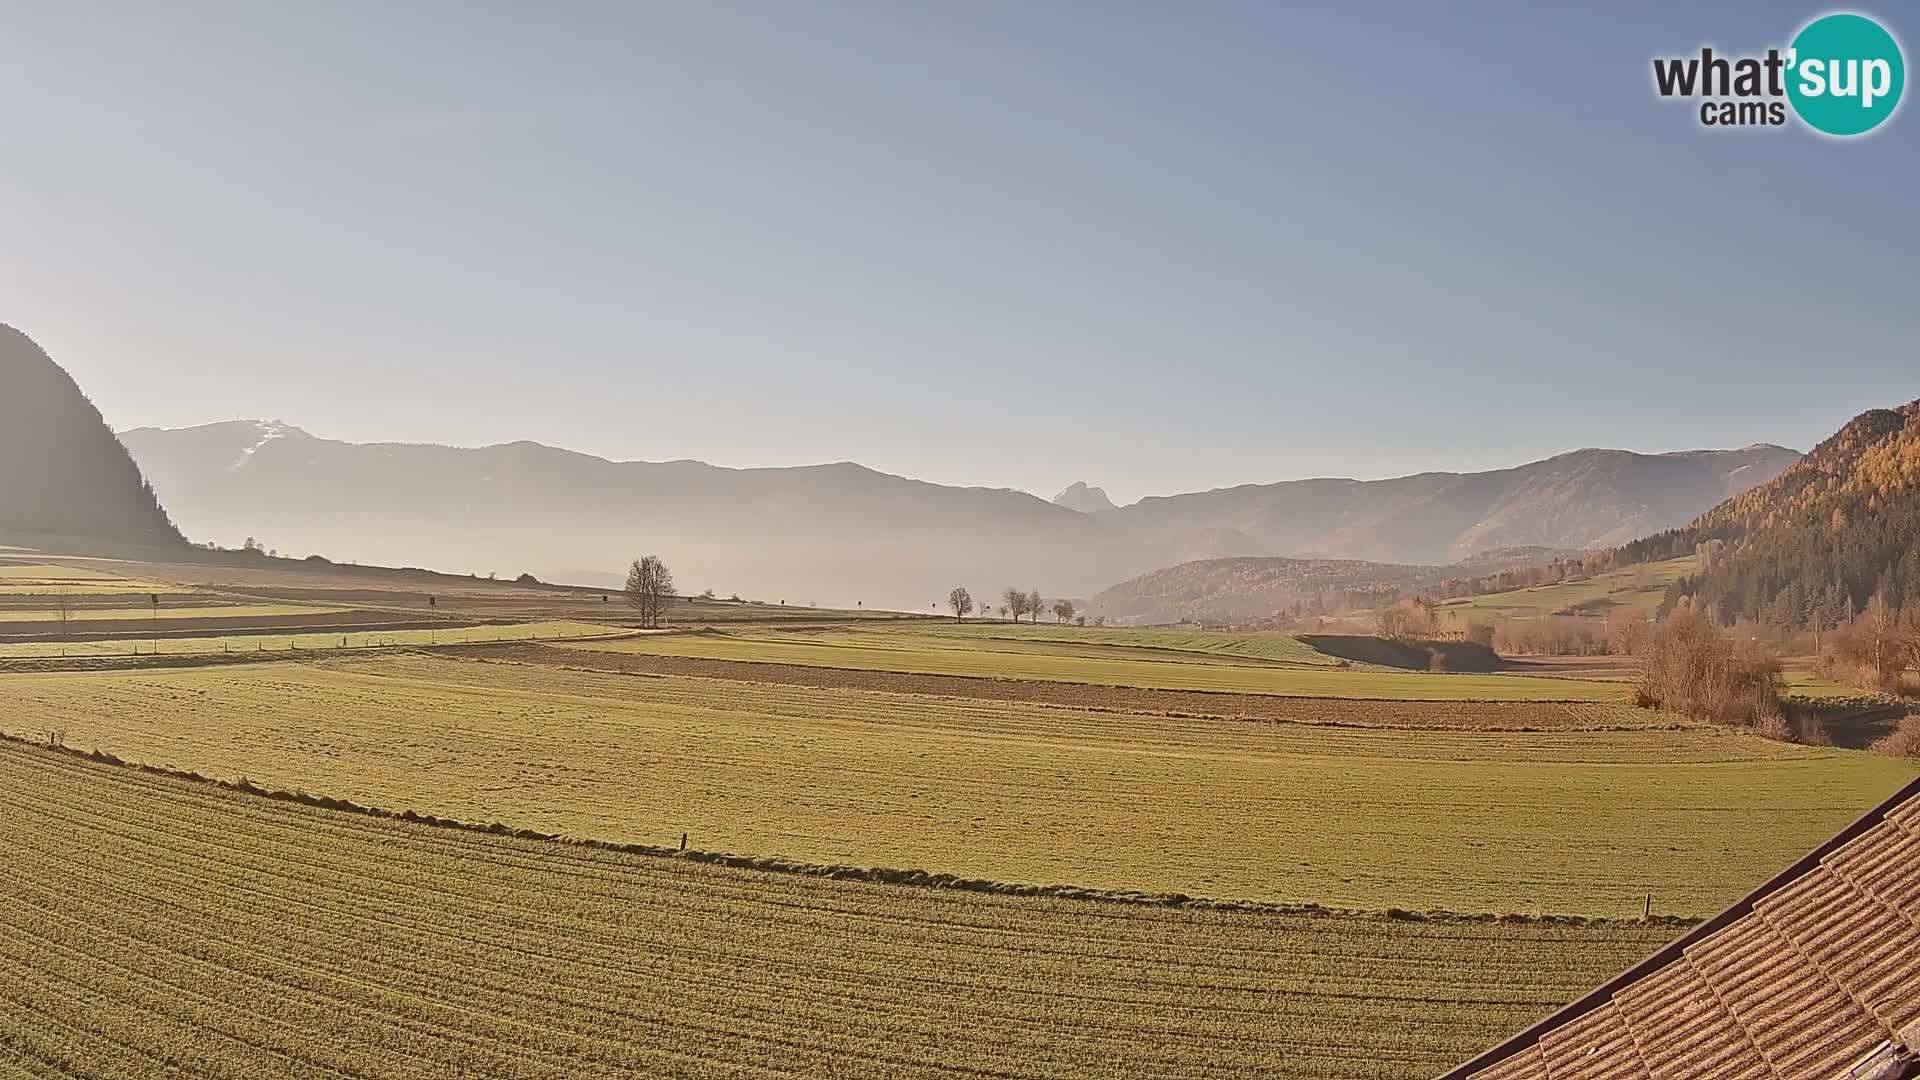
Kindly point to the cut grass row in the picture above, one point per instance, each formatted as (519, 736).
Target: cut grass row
(1575, 822)
(918, 651)
(151, 926)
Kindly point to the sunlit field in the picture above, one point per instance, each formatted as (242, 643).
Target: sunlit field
(1090, 660)
(1585, 819)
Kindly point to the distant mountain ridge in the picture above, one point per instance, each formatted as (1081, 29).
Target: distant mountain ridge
(63, 474)
(844, 534)
(1583, 499)
(836, 534)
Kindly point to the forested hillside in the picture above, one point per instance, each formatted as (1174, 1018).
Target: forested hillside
(62, 472)
(1812, 546)
(1275, 591)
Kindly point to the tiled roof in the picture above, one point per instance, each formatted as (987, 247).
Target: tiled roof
(1813, 976)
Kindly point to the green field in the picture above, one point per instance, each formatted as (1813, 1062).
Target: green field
(1563, 821)
(1641, 587)
(306, 642)
(977, 654)
(155, 927)
(1276, 647)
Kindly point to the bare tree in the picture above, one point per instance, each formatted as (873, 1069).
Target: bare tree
(1003, 611)
(63, 608)
(1035, 604)
(1628, 630)
(961, 601)
(649, 587)
(1016, 602)
(1871, 646)
(1063, 611)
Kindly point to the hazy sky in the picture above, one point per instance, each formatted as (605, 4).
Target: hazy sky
(1159, 247)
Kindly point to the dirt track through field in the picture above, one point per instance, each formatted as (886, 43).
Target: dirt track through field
(1412, 715)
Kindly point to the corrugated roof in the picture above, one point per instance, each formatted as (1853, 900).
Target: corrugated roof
(1815, 975)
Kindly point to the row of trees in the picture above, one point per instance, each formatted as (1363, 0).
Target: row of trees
(1693, 666)
(1876, 649)
(1014, 604)
(1624, 632)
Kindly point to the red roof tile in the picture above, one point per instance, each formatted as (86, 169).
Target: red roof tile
(1809, 974)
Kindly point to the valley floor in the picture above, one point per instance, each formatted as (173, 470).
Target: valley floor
(1585, 816)
(1126, 852)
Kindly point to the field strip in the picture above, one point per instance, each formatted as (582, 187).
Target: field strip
(1409, 714)
(342, 638)
(1583, 822)
(206, 611)
(229, 935)
(857, 650)
(1243, 646)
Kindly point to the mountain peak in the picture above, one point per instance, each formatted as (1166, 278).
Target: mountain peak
(1087, 500)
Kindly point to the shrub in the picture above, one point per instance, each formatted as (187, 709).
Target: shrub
(1695, 669)
(1810, 730)
(1774, 726)
(1904, 741)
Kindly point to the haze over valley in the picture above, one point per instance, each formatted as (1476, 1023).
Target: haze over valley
(843, 534)
(946, 541)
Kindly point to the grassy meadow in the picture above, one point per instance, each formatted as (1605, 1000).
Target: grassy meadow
(151, 926)
(1087, 657)
(1641, 587)
(1554, 821)
(1186, 644)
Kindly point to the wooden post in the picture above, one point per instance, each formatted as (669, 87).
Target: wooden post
(683, 841)
(1647, 915)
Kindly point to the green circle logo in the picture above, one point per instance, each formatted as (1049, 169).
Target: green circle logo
(1845, 74)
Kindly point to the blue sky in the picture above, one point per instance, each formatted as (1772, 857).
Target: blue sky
(1158, 247)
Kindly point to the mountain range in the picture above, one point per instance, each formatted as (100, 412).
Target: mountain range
(844, 534)
(1582, 499)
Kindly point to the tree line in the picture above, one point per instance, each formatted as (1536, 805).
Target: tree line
(1014, 603)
